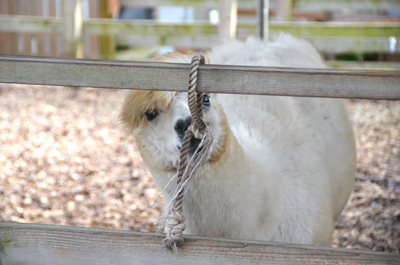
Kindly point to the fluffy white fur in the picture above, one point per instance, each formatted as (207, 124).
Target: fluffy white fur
(280, 168)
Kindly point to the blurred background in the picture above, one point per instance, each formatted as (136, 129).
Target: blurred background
(65, 159)
(359, 33)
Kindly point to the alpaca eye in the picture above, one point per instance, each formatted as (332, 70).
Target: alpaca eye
(151, 114)
(206, 100)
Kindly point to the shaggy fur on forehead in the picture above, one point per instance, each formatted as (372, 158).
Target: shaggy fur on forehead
(138, 102)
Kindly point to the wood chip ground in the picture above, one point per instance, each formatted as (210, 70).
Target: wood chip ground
(65, 160)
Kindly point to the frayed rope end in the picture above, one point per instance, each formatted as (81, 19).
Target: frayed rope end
(176, 226)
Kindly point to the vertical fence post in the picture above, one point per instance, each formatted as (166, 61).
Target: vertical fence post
(266, 19)
(284, 10)
(262, 19)
(73, 25)
(227, 20)
(4, 36)
(107, 42)
(47, 41)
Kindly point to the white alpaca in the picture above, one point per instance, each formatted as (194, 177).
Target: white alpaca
(279, 169)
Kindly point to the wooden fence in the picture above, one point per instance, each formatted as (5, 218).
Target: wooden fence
(304, 5)
(45, 42)
(41, 244)
(154, 28)
(35, 27)
(205, 35)
(49, 244)
(34, 244)
(213, 79)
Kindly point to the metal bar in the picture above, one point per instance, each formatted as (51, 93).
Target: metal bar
(266, 19)
(260, 19)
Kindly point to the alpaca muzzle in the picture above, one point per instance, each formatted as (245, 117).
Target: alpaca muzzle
(194, 142)
(181, 126)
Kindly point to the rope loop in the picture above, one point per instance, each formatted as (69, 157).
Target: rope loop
(174, 219)
(195, 100)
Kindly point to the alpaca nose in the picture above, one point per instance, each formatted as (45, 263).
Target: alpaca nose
(181, 126)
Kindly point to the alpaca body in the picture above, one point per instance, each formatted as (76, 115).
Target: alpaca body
(280, 168)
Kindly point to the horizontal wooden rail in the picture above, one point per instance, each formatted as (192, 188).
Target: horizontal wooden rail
(195, 3)
(332, 44)
(336, 5)
(212, 78)
(352, 44)
(30, 24)
(366, 65)
(318, 5)
(147, 27)
(332, 29)
(36, 244)
(155, 28)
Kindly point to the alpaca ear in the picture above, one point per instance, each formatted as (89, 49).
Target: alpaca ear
(129, 116)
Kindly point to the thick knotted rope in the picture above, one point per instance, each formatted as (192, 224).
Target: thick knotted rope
(196, 106)
(174, 219)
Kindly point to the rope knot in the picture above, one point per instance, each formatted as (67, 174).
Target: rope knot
(175, 224)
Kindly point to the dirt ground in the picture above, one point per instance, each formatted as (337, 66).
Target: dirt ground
(64, 159)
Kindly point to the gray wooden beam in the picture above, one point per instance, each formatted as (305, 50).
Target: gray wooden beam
(339, 5)
(212, 78)
(36, 244)
(154, 28)
(308, 5)
(30, 24)
(329, 29)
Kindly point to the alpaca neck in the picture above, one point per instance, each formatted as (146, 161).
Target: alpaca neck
(218, 191)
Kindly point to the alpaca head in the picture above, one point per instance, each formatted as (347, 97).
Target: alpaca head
(159, 120)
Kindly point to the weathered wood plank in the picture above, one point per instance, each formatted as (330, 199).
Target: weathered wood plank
(193, 42)
(106, 42)
(336, 5)
(25, 38)
(330, 29)
(380, 66)
(284, 10)
(212, 78)
(147, 27)
(327, 44)
(154, 3)
(304, 29)
(313, 5)
(36, 244)
(154, 28)
(30, 24)
(73, 25)
(227, 20)
(350, 44)
(106, 26)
